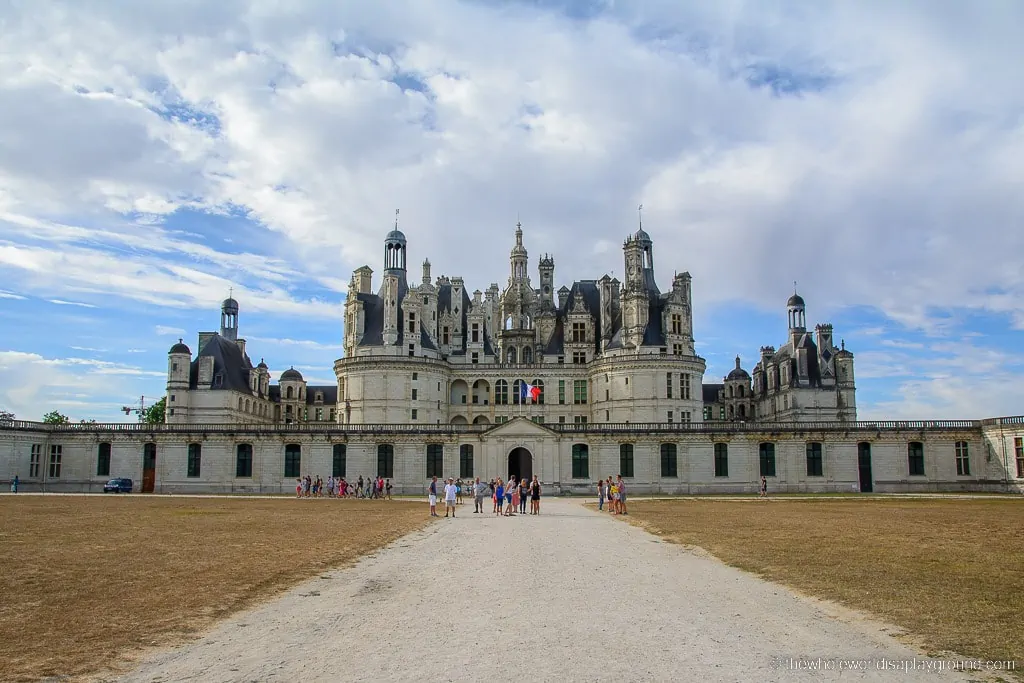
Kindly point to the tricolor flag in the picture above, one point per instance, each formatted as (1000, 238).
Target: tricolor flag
(529, 391)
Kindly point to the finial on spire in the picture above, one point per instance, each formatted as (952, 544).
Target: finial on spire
(737, 361)
(231, 292)
(794, 286)
(640, 215)
(842, 344)
(396, 219)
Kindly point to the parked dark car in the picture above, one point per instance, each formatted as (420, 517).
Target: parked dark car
(118, 486)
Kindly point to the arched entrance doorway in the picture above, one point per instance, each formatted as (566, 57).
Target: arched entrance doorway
(520, 464)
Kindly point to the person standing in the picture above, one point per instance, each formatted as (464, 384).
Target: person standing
(451, 492)
(524, 495)
(535, 495)
(622, 496)
(764, 487)
(14, 484)
(458, 490)
(479, 490)
(600, 495)
(499, 496)
(432, 497)
(387, 487)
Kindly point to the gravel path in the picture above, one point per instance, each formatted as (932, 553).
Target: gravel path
(595, 599)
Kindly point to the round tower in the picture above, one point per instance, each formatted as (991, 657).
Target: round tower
(179, 364)
(229, 319)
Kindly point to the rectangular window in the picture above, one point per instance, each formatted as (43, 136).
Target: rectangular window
(626, 459)
(476, 332)
(915, 458)
(668, 385)
(319, 414)
(56, 456)
(415, 394)
(172, 398)
(684, 386)
(684, 416)
(292, 460)
(677, 323)
(243, 460)
(766, 451)
(195, 458)
(1018, 449)
(579, 333)
(465, 460)
(415, 413)
(103, 460)
(721, 460)
(500, 419)
(444, 335)
(607, 416)
(677, 349)
(339, 462)
(579, 357)
(33, 463)
(579, 391)
(814, 459)
(476, 357)
(579, 419)
(538, 419)
(412, 350)
(669, 416)
(561, 392)
(412, 323)
(386, 461)
(721, 413)
(580, 461)
(435, 460)
(415, 376)
(963, 461)
(669, 465)
(561, 419)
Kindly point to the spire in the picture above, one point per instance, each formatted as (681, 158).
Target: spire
(640, 216)
(396, 219)
(737, 361)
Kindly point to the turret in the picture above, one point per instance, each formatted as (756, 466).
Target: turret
(518, 259)
(229, 319)
(546, 266)
(179, 363)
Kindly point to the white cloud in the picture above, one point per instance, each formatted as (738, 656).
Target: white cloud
(61, 302)
(10, 295)
(318, 119)
(165, 331)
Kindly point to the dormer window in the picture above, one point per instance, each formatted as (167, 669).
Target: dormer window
(319, 397)
(218, 380)
(579, 333)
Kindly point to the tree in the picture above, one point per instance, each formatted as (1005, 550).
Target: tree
(6, 416)
(55, 418)
(155, 413)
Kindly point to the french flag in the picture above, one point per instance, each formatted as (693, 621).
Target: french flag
(529, 391)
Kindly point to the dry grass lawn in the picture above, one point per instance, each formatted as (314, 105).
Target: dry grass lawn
(949, 572)
(87, 581)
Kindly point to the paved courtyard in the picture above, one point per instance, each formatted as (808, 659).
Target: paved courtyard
(569, 595)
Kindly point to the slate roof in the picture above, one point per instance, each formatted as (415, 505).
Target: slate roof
(229, 363)
(709, 392)
(330, 394)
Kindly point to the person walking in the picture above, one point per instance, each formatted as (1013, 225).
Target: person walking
(451, 492)
(459, 484)
(479, 490)
(432, 497)
(494, 495)
(14, 484)
(764, 487)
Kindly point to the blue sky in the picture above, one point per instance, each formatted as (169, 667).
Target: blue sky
(154, 155)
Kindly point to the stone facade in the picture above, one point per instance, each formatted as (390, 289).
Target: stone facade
(679, 458)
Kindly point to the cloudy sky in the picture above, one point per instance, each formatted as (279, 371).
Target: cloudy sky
(154, 155)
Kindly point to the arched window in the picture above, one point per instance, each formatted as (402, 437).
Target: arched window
(517, 391)
(669, 464)
(248, 406)
(539, 383)
(730, 391)
(501, 393)
(743, 410)
(626, 459)
(103, 460)
(339, 463)
(243, 460)
(721, 460)
(466, 460)
(292, 460)
(766, 453)
(386, 461)
(580, 461)
(195, 456)
(510, 355)
(288, 393)
(241, 404)
(527, 354)
(731, 414)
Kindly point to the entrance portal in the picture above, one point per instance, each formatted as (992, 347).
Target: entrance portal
(148, 467)
(520, 464)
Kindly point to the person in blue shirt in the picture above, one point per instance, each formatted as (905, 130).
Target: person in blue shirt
(499, 496)
(432, 497)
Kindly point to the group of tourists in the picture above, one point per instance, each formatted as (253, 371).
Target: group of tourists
(506, 497)
(309, 487)
(614, 492)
